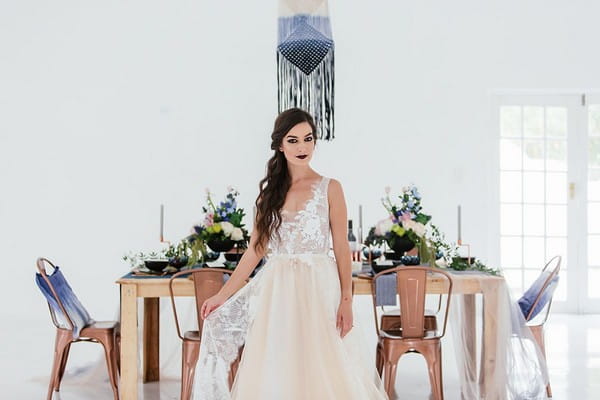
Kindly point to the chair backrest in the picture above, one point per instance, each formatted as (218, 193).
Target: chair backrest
(207, 283)
(541, 292)
(66, 310)
(411, 285)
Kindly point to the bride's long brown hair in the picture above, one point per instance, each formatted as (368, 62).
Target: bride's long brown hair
(275, 185)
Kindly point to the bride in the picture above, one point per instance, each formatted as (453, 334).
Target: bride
(294, 318)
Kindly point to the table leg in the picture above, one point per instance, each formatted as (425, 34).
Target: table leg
(129, 343)
(493, 371)
(151, 341)
(470, 330)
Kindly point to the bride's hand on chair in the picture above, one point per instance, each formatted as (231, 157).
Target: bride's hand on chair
(211, 304)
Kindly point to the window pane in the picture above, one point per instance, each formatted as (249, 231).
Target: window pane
(511, 252)
(594, 119)
(533, 155)
(533, 220)
(556, 121)
(594, 283)
(594, 250)
(556, 220)
(533, 121)
(557, 247)
(556, 187)
(593, 218)
(510, 219)
(510, 121)
(510, 154)
(594, 184)
(510, 187)
(594, 152)
(533, 187)
(556, 155)
(533, 252)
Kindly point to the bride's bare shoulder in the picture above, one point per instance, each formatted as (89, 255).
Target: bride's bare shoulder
(335, 190)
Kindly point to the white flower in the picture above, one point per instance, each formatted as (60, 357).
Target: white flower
(383, 226)
(417, 227)
(227, 228)
(442, 263)
(387, 190)
(237, 234)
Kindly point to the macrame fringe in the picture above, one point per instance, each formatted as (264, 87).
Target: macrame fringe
(313, 93)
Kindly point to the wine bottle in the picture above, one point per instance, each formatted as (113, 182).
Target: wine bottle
(352, 241)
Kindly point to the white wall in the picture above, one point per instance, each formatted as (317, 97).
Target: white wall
(108, 109)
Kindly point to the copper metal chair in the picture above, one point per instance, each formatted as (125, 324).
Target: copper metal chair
(105, 333)
(207, 283)
(536, 322)
(413, 333)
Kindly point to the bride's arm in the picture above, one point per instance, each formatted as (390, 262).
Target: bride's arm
(245, 266)
(341, 248)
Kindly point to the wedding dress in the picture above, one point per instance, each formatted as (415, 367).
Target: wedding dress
(285, 318)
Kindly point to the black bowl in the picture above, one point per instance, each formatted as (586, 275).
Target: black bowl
(156, 265)
(392, 255)
(410, 260)
(211, 256)
(178, 262)
(377, 268)
(220, 245)
(233, 257)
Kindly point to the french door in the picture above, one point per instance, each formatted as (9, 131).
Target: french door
(549, 193)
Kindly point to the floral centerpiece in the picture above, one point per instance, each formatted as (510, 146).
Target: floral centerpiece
(406, 225)
(222, 228)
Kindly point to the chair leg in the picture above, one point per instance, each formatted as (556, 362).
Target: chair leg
(118, 350)
(191, 352)
(379, 360)
(538, 335)
(389, 380)
(63, 365)
(63, 339)
(110, 353)
(433, 355)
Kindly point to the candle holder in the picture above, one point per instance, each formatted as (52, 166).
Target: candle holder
(468, 246)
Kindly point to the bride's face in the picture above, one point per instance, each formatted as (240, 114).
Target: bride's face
(298, 144)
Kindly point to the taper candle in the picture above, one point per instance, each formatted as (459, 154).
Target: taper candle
(162, 222)
(360, 224)
(459, 235)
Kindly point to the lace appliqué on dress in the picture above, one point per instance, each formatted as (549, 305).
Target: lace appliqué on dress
(306, 231)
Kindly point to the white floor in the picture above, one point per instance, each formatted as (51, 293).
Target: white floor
(25, 360)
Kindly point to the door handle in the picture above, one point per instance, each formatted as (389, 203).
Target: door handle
(572, 190)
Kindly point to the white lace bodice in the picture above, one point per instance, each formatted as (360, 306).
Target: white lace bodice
(306, 231)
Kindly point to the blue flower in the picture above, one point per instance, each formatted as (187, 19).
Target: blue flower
(416, 193)
(410, 204)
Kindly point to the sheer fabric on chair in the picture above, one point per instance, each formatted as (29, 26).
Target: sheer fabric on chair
(73, 324)
(520, 370)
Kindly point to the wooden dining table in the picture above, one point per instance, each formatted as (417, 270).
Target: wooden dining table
(152, 288)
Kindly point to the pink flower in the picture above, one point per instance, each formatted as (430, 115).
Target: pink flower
(406, 216)
(209, 219)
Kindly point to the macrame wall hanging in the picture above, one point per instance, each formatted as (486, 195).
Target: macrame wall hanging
(305, 61)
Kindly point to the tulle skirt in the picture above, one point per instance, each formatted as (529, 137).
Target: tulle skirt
(292, 348)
